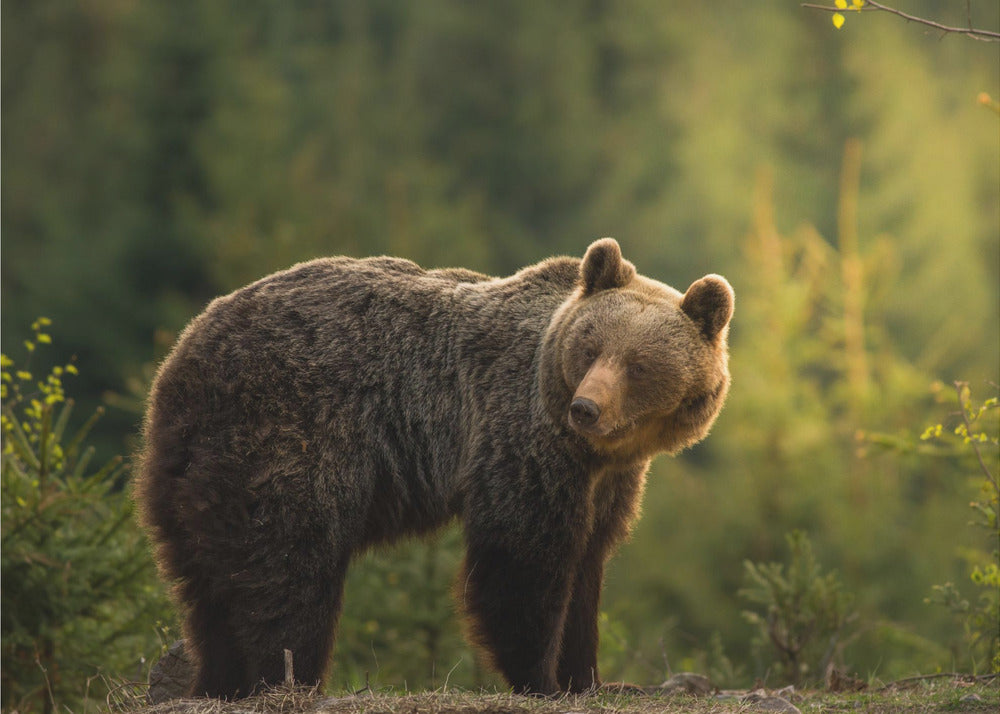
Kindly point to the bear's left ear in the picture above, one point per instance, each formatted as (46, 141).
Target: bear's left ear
(709, 302)
(603, 267)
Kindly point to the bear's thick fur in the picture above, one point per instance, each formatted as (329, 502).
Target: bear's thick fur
(344, 403)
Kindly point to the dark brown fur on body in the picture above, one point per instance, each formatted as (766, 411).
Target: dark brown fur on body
(345, 403)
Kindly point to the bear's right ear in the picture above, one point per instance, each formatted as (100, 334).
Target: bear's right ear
(603, 267)
(709, 302)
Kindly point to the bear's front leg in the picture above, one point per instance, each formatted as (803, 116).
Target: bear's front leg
(516, 603)
(577, 670)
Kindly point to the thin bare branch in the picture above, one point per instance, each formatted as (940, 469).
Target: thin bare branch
(871, 6)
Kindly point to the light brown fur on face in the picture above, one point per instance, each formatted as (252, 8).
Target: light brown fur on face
(602, 386)
(645, 364)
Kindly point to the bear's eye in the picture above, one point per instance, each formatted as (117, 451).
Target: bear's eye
(636, 370)
(589, 354)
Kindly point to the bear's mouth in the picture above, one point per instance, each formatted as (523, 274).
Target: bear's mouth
(603, 433)
(597, 430)
(665, 430)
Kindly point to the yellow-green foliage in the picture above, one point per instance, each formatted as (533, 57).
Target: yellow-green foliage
(973, 440)
(399, 626)
(78, 595)
(815, 372)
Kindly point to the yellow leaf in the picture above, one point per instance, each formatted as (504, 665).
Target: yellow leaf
(841, 4)
(838, 20)
(858, 4)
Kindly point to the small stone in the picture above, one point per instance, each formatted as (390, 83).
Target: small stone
(763, 701)
(171, 676)
(786, 693)
(729, 696)
(688, 683)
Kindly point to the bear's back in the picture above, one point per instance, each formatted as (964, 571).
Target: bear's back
(375, 360)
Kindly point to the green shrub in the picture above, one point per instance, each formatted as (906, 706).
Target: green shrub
(973, 440)
(399, 627)
(79, 598)
(805, 612)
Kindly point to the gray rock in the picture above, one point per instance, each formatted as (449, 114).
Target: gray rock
(688, 683)
(170, 677)
(763, 701)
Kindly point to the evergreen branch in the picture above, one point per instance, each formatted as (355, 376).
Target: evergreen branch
(871, 6)
(19, 440)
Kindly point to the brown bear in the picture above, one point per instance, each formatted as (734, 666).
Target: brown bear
(345, 403)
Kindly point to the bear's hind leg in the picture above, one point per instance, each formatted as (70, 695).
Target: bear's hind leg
(301, 617)
(221, 669)
(239, 646)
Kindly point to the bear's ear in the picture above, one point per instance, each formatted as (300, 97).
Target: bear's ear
(604, 268)
(709, 302)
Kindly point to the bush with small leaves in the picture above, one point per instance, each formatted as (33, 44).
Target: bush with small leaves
(974, 440)
(79, 595)
(805, 612)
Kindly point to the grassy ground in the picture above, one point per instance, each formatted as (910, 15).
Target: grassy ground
(928, 695)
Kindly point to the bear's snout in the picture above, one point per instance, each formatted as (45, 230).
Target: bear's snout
(597, 403)
(584, 412)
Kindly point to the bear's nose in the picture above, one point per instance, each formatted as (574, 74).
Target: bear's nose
(584, 412)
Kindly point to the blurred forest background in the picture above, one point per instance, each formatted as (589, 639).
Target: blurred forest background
(847, 182)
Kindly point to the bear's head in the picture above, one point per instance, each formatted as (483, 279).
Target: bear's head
(632, 365)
